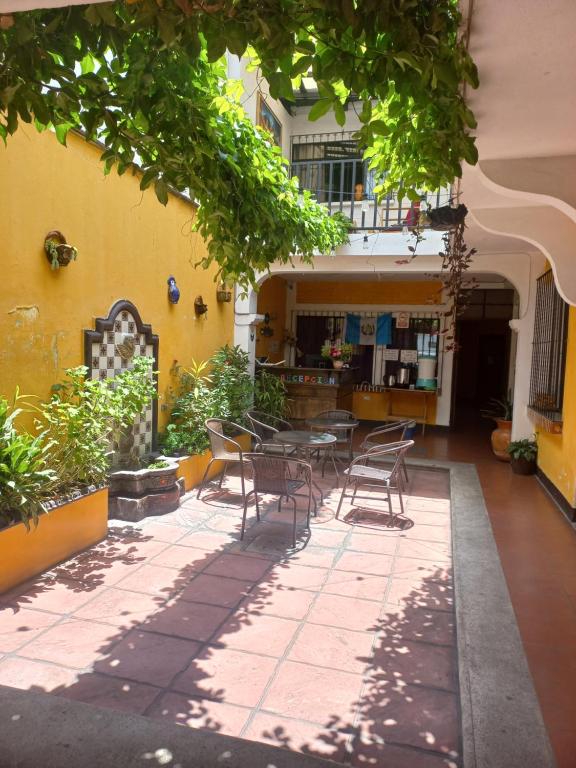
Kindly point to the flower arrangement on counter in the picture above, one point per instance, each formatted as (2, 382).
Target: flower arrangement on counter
(337, 351)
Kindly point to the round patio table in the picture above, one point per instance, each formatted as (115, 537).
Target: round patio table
(305, 442)
(343, 426)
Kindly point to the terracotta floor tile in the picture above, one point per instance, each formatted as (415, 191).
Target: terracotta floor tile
(306, 692)
(228, 675)
(267, 635)
(333, 647)
(184, 558)
(423, 550)
(411, 715)
(378, 545)
(104, 691)
(354, 584)
(20, 625)
(215, 590)
(314, 556)
(286, 603)
(226, 524)
(408, 567)
(238, 567)
(348, 612)
(148, 658)
(428, 533)
(324, 538)
(290, 576)
(181, 618)
(156, 580)
(72, 643)
(424, 624)
(200, 713)
(404, 662)
(204, 539)
(420, 592)
(379, 565)
(162, 532)
(26, 674)
(120, 608)
(298, 736)
(51, 593)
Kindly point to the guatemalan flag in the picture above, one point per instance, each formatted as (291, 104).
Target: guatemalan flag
(368, 330)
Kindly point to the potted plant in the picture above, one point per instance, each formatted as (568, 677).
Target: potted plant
(58, 251)
(523, 454)
(501, 411)
(338, 353)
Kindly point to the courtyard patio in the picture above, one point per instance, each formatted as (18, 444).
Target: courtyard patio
(343, 647)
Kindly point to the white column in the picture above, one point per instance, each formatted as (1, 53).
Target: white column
(245, 321)
(524, 328)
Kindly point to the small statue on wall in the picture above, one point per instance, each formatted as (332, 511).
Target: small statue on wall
(126, 348)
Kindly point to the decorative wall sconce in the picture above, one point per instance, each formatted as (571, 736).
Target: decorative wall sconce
(58, 252)
(266, 330)
(199, 307)
(173, 291)
(223, 294)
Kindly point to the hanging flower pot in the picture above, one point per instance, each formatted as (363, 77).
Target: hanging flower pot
(446, 217)
(223, 294)
(58, 252)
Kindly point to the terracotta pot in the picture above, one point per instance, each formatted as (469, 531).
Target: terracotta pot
(337, 364)
(500, 438)
(358, 191)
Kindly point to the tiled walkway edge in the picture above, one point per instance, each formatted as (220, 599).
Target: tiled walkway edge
(501, 720)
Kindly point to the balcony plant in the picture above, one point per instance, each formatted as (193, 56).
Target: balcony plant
(501, 411)
(523, 455)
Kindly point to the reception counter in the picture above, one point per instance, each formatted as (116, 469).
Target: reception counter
(312, 390)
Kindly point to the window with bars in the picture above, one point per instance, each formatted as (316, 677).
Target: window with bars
(548, 351)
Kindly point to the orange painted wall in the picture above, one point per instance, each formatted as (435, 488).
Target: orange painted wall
(272, 299)
(396, 292)
(128, 245)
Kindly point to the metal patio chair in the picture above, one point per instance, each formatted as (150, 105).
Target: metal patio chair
(380, 437)
(362, 472)
(266, 426)
(226, 449)
(280, 476)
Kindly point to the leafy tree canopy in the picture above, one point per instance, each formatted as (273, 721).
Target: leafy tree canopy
(146, 78)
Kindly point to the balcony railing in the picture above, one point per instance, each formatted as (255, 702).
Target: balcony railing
(348, 186)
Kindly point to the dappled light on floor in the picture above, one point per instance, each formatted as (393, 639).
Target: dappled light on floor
(342, 646)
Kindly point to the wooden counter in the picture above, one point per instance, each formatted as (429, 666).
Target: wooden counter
(312, 390)
(390, 404)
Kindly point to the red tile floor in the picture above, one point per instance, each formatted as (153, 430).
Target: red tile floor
(343, 648)
(331, 649)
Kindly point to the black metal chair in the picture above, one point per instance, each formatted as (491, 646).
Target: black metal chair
(266, 426)
(224, 448)
(362, 472)
(279, 476)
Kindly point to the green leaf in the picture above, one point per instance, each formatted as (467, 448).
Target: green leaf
(320, 108)
(61, 130)
(161, 190)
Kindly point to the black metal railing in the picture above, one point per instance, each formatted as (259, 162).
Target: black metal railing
(548, 349)
(348, 186)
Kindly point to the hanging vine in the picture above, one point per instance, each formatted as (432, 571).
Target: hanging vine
(457, 286)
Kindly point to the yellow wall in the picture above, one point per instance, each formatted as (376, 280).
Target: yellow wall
(128, 246)
(557, 453)
(395, 292)
(272, 299)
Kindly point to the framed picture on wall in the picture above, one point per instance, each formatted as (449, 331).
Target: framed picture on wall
(266, 119)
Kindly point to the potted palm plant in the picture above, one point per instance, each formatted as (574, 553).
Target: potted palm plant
(501, 411)
(523, 454)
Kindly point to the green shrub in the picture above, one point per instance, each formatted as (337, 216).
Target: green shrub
(25, 479)
(84, 417)
(523, 449)
(270, 394)
(186, 434)
(232, 385)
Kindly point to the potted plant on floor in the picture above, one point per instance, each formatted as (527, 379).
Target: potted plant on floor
(523, 455)
(501, 411)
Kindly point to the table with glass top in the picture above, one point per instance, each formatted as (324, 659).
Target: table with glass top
(306, 443)
(344, 429)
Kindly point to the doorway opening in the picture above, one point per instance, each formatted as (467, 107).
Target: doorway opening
(483, 366)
